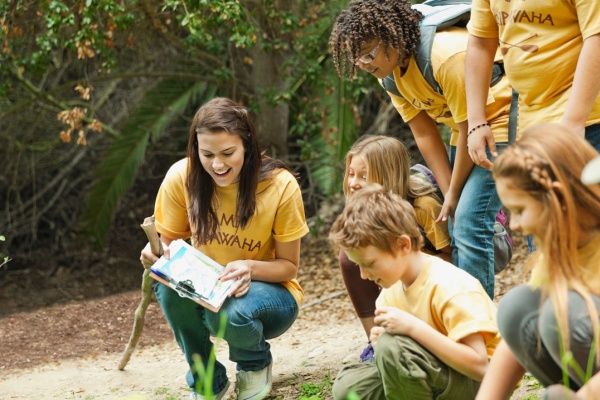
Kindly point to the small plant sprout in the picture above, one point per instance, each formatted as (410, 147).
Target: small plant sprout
(6, 258)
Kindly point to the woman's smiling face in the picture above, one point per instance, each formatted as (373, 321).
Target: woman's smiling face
(222, 156)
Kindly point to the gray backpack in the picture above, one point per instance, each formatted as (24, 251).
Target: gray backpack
(503, 243)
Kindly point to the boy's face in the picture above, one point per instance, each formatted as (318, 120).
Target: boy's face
(525, 211)
(377, 265)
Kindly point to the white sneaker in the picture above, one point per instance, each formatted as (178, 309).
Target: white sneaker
(253, 385)
(218, 396)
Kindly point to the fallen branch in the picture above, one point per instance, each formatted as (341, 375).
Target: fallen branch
(140, 313)
(323, 299)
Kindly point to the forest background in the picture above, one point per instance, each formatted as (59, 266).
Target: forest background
(96, 98)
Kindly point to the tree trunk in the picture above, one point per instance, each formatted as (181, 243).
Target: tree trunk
(271, 121)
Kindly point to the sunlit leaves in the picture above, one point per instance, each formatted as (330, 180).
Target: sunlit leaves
(42, 32)
(73, 118)
(210, 22)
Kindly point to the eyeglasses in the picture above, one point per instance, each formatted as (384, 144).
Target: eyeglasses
(369, 57)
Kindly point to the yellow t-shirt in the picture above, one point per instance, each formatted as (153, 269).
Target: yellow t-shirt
(589, 260)
(279, 217)
(427, 209)
(448, 64)
(541, 42)
(449, 300)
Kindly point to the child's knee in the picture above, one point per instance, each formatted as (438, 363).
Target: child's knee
(581, 332)
(400, 354)
(518, 305)
(358, 379)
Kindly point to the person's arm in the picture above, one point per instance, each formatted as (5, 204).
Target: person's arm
(283, 268)
(478, 73)
(502, 376)
(469, 356)
(432, 147)
(586, 86)
(461, 171)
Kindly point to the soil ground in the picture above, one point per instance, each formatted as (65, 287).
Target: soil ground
(71, 349)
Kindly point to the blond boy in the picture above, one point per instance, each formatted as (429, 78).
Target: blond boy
(436, 326)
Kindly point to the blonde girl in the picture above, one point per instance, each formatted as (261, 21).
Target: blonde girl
(538, 180)
(385, 160)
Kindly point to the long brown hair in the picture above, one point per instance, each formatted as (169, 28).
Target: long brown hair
(223, 115)
(393, 22)
(547, 163)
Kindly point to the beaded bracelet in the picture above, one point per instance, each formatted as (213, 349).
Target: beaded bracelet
(477, 127)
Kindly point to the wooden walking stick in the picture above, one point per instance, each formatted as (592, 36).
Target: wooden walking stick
(140, 313)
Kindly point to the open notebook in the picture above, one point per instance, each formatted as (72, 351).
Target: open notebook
(193, 275)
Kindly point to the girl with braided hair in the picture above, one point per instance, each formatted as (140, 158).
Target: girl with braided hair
(538, 180)
(381, 37)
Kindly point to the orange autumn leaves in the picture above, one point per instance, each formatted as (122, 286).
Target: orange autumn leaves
(76, 119)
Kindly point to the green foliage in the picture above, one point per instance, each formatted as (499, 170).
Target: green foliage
(206, 373)
(568, 363)
(47, 28)
(162, 106)
(532, 381)
(202, 18)
(316, 390)
(327, 129)
(52, 52)
(161, 390)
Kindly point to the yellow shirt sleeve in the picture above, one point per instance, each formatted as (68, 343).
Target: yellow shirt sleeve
(170, 208)
(427, 209)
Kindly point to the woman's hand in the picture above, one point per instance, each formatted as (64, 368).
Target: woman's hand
(477, 143)
(241, 271)
(148, 258)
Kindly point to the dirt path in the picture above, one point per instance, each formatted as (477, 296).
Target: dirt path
(71, 350)
(308, 352)
(312, 351)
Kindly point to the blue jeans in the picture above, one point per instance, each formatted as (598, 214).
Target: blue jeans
(265, 312)
(472, 230)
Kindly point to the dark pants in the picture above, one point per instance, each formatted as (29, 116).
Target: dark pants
(362, 292)
(403, 370)
(531, 333)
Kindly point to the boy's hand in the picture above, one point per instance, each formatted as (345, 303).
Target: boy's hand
(395, 321)
(376, 331)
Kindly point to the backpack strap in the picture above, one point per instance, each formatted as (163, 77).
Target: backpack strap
(513, 115)
(423, 56)
(389, 84)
